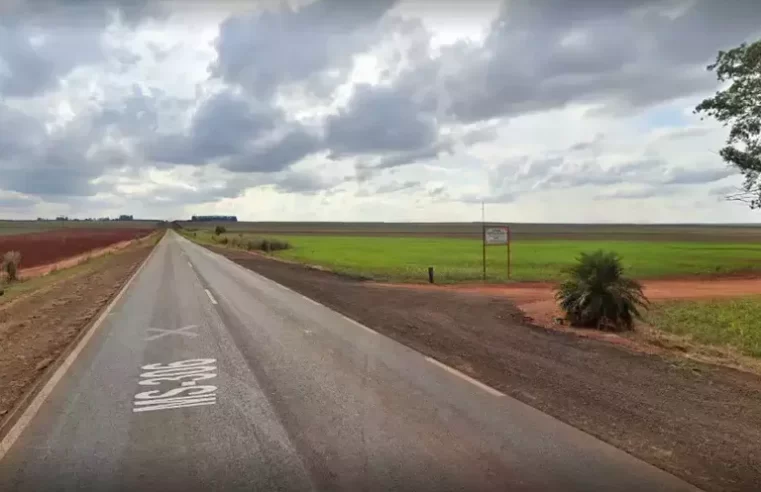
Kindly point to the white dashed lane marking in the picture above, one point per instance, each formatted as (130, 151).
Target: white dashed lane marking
(211, 297)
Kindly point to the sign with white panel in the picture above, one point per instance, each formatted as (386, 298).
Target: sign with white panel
(496, 235)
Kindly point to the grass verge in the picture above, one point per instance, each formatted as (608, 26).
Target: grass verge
(722, 323)
(245, 242)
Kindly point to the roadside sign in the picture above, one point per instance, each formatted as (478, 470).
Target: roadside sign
(496, 235)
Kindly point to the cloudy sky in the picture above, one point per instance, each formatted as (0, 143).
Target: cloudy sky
(547, 110)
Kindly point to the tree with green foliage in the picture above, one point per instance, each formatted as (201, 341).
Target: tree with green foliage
(739, 105)
(595, 293)
(219, 230)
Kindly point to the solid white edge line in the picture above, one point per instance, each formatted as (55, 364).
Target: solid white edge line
(211, 297)
(355, 323)
(467, 378)
(26, 417)
(316, 303)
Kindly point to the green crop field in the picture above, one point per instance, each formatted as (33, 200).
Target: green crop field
(406, 259)
(723, 322)
(722, 233)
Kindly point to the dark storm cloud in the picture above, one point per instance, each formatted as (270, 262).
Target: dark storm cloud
(57, 168)
(275, 155)
(432, 151)
(243, 136)
(83, 12)
(643, 178)
(378, 120)
(62, 162)
(34, 163)
(43, 41)
(138, 113)
(29, 67)
(222, 126)
(19, 133)
(541, 55)
(262, 50)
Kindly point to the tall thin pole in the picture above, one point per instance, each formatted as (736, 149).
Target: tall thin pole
(509, 243)
(483, 239)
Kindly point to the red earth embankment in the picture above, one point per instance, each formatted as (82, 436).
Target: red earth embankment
(42, 248)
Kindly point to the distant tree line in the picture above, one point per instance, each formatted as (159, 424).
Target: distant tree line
(214, 218)
(64, 218)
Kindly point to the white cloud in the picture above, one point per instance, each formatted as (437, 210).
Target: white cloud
(374, 111)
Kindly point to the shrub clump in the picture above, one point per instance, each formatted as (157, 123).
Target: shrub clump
(266, 245)
(219, 230)
(269, 245)
(11, 262)
(596, 294)
(254, 244)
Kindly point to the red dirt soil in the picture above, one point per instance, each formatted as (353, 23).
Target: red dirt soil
(536, 299)
(71, 261)
(43, 248)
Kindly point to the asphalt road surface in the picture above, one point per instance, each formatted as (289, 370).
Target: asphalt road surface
(207, 376)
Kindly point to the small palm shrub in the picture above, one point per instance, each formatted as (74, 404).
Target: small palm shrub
(595, 293)
(254, 244)
(266, 245)
(11, 261)
(277, 245)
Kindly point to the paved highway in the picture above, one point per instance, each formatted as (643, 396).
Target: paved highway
(206, 376)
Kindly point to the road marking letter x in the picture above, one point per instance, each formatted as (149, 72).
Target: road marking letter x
(160, 332)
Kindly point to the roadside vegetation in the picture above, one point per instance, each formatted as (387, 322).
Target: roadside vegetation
(596, 294)
(247, 242)
(725, 323)
(11, 263)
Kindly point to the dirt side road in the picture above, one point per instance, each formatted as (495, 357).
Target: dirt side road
(37, 327)
(537, 300)
(699, 422)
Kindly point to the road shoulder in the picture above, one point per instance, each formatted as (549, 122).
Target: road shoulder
(44, 320)
(699, 422)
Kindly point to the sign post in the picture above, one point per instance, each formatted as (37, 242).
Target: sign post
(483, 241)
(496, 235)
